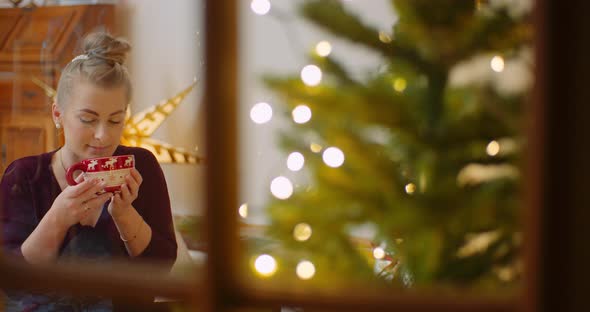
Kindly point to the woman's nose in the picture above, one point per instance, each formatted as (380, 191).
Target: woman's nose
(100, 133)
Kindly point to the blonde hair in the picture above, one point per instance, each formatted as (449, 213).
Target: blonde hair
(101, 63)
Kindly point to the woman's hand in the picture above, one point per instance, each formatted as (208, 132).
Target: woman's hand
(76, 201)
(121, 202)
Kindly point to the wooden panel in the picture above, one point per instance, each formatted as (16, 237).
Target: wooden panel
(51, 34)
(8, 20)
(24, 135)
(23, 142)
(37, 35)
(18, 93)
(6, 88)
(95, 18)
(45, 68)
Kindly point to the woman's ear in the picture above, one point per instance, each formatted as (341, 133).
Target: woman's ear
(56, 114)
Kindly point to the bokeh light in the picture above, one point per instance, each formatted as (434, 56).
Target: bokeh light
(305, 270)
(493, 148)
(333, 157)
(301, 114)
(261, 113)
(302, 232)
(314, 147)
(399, 84)
(323, 48)
(311, 75)
(260, 7)
(295, 161)
(265, 265)
(378, 253)
(410, 188)
(497, 64)
(281, 187)
(243, 210)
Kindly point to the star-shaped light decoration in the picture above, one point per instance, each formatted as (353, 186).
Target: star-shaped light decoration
(139, 127)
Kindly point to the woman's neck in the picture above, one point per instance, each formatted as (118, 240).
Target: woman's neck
(65, 160)
(59, 169)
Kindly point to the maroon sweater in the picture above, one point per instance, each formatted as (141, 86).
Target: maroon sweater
(28, 189)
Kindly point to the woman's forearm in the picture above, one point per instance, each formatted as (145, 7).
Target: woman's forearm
(43, 244)
(134, 232)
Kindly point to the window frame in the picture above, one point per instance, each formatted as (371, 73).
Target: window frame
(226, 288)
(222, 289)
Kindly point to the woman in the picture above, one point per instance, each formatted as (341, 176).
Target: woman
(42, 216)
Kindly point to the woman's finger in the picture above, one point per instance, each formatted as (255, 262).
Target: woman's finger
(84, 186)
(79, 178)
(136, 176)
(91, 192)
(98, 201)
(132, 184)
(125, 192)
(116, 200)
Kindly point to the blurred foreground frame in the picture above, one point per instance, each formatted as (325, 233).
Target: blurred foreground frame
(556, 217)
(545, 219)
(231, 289)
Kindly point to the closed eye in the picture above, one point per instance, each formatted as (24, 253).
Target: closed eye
(87, 121)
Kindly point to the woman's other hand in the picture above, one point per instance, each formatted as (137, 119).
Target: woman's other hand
(121, 202)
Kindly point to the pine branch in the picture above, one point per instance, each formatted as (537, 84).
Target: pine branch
(337, 104)
(330, 65)
(332, 16)
(499, 32)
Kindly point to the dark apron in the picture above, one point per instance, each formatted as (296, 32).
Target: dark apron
(86, 243)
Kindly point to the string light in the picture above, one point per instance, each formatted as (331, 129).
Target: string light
(301, 114)
(265, 265)
(333, 157)
(399, 84)
(311, 75)
(410, 188)
(316, 148)
(261, 113)
(295, 161)
(497, 64)
(281, 187)
(260, 7)
(384, 37)
(305, 270)
(378, 253)
(323, 48)
(243, 210)
(493, 148)
(302, 232)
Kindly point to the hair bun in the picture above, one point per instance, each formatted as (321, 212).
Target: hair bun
(106, 47)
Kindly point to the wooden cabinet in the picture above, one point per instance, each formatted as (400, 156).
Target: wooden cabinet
(38, 43)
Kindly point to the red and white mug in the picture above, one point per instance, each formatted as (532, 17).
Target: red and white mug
(112, 170)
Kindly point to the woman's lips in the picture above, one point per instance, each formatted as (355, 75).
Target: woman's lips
(98, 149)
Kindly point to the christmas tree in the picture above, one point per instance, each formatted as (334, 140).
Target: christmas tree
(422, 154)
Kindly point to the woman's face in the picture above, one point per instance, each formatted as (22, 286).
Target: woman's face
(93, 120)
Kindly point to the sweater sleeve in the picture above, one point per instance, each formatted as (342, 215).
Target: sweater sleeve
(17, 210)
(153, 204)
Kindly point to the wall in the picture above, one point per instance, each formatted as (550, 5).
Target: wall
(167, 39)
